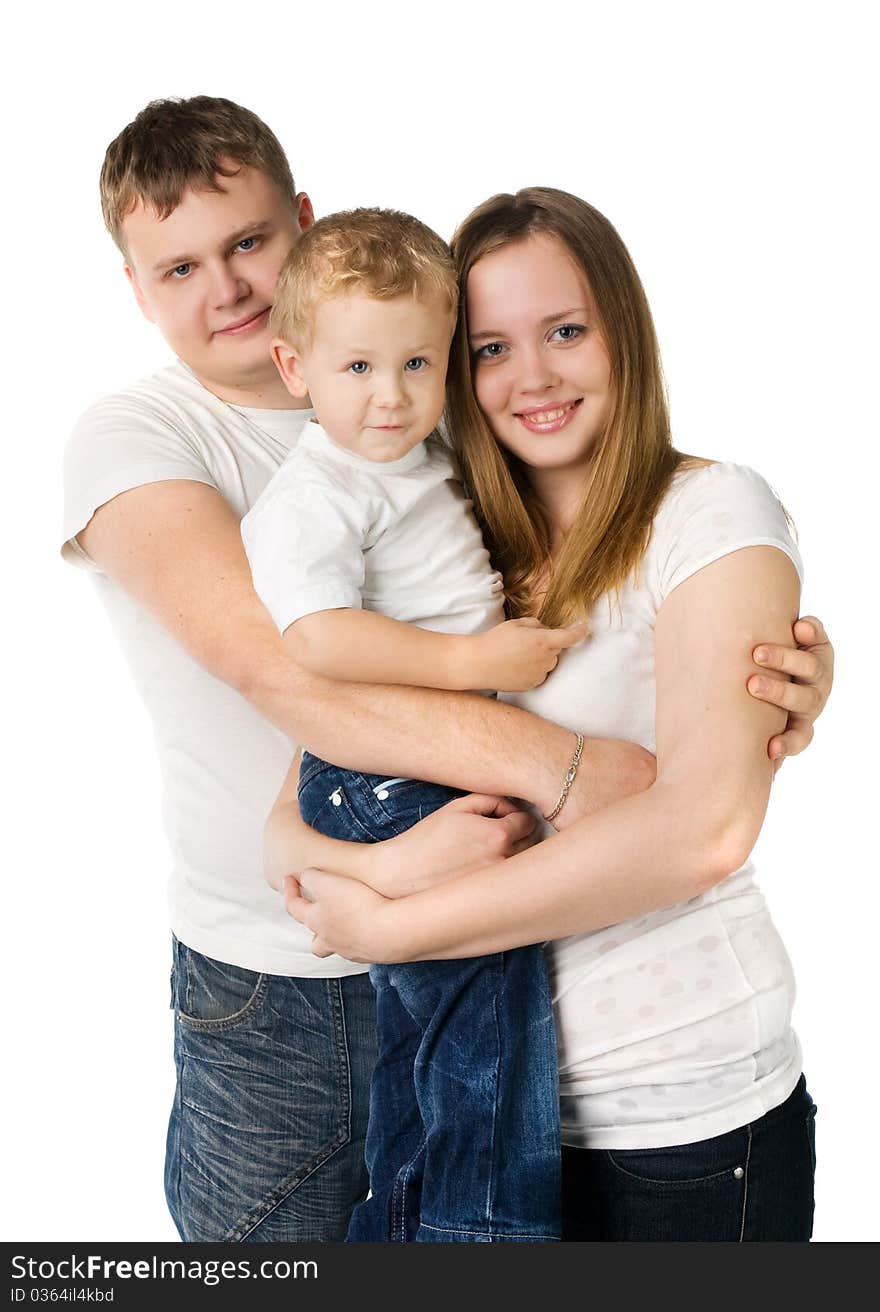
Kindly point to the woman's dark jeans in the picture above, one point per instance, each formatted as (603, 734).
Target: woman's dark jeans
(463, 1136)
(753, 1184)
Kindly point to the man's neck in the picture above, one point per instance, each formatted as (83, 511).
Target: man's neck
(261, 394)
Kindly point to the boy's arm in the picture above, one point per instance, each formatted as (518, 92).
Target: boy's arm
(175, 547)
(370, 648)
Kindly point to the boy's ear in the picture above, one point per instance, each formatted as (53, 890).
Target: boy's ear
(287, 361)
(138, 294)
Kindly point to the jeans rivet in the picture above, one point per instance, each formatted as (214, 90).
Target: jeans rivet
(336, 798)
(383, 795)
(738, 1173)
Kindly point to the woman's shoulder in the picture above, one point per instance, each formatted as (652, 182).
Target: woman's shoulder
(714, 507)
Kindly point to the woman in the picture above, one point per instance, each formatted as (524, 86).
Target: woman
(685, 1114)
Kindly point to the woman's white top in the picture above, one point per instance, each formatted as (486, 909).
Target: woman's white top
(674, 1027)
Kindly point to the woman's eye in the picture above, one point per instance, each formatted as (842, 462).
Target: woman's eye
(567, 332)
(491, 351)
(247, 243)
(417, 363)
(359, 367)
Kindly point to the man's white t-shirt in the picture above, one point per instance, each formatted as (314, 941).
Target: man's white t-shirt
(676, 1026)
(222, 764)
(398, 537)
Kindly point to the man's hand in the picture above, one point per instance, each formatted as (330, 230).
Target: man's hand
(519, 654)
(809, 668)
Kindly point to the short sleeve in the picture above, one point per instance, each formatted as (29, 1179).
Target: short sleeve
(712, 511)
(305, 543)
(114, 447)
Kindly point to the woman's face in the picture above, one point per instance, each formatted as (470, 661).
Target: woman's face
(541, 371)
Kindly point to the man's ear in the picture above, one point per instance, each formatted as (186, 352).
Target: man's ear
(288, 362)
(305, 214)
(138, 294)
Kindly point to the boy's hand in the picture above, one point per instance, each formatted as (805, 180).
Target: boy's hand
(519, 654)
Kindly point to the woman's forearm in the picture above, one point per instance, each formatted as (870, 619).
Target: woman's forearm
(634, 857)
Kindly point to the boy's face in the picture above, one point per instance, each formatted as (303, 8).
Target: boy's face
(206, 276)
(375, 370)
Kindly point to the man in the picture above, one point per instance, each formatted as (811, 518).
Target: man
(273, 1046)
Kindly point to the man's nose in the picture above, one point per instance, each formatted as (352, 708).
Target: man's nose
(227, 288)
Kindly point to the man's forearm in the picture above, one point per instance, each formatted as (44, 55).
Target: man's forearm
(461, 739)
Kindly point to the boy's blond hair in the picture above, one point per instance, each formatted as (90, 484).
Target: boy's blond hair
(176, 144)
(383, 253)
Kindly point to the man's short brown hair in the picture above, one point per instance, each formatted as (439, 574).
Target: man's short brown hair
(380, 252)
(176, 144)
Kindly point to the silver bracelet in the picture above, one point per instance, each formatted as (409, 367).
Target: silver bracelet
(569, 779)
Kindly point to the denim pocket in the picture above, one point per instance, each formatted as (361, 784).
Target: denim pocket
(686, 1165)
(213, 994)
(407, 801)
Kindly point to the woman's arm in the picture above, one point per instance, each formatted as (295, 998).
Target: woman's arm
(467, 834)
(695, 825)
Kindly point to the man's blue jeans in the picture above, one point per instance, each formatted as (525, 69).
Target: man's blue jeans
(266, 1137)
(463, 1141)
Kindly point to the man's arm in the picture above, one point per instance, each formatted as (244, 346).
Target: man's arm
(695, 825)
(176, 549)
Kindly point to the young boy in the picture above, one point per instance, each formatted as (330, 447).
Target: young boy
(366, 553)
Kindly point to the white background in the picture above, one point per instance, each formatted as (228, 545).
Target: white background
(733, 146)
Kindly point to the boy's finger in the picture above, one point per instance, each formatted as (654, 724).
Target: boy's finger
(567, 637)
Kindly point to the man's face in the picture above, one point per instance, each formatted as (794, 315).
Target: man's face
(206, 277)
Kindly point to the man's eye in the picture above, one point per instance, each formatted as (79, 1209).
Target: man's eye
(359, 367)
(180, 270)
(417, 363)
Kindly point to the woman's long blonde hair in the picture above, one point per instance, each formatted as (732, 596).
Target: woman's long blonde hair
(635, 459)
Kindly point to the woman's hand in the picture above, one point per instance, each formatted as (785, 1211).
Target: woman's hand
(465, 834)
(345, 916)
(810, 670)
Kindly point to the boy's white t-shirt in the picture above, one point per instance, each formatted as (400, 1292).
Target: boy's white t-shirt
(222, 764)
(398, 537)
(676, 1026)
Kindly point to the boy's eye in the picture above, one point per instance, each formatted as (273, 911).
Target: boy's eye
(416, 363)
(359, 367)
(247, 243)
(180, 270)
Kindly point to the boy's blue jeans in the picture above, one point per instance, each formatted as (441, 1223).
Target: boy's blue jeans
(463, 1141)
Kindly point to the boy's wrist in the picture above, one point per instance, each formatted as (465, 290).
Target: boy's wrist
(463, 662)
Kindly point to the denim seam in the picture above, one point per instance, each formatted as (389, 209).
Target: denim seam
(223, 1023)
(742, 1229)
(270, 1202)
(493, 1162)
(490, 1234)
